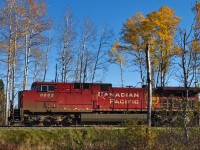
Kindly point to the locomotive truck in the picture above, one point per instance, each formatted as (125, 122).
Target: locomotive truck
(53, 103)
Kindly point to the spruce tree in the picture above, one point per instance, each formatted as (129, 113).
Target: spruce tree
(2, 103)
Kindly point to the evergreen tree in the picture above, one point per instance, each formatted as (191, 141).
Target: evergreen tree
(2, 103)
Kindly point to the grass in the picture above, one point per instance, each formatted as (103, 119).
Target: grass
(95, 138)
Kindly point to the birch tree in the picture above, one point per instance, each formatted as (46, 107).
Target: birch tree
(36, 22)
(165, 23)
(117, 57)
(47, 56)
(22, 23)
(195, 45)
(100, 56)
(66, 44)
(10, 34)
(84, 59)
(38, 64)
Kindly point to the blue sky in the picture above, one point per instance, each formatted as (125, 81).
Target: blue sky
(115, 13)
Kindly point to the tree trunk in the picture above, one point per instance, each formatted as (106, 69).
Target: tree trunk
(141, 73)
(97, 59)
(8, 86)
(82, 60)
(121, 71)
(63, 65)
(13, 77)
(56, 74)
(148, 61)
(27, 55)
(46, 62)
(85, 68)
(185, 103)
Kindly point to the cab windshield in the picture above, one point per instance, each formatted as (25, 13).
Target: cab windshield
(45, 88)
(33, 87)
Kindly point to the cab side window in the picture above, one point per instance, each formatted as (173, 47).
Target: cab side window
(51, 88)
(46, 88)
(77, 86)
(105, 87)
(86, 86)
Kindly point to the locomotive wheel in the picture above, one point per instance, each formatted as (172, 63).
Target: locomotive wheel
(47, 122)
(66, 122)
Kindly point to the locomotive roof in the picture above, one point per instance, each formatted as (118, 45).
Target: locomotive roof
(191, 90)
(40, 82)
(176, 88)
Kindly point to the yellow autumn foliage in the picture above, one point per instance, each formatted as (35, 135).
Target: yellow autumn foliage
(116, 53)
(157, 30)
(195, 45)
(196, 9)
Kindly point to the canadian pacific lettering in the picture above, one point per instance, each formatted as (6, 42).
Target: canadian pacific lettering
(121, 98)
(102, 94)
(122, 101)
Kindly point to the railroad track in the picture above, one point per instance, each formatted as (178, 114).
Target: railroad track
(61, 127)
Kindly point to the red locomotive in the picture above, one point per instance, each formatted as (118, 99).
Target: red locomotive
(52, 103)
